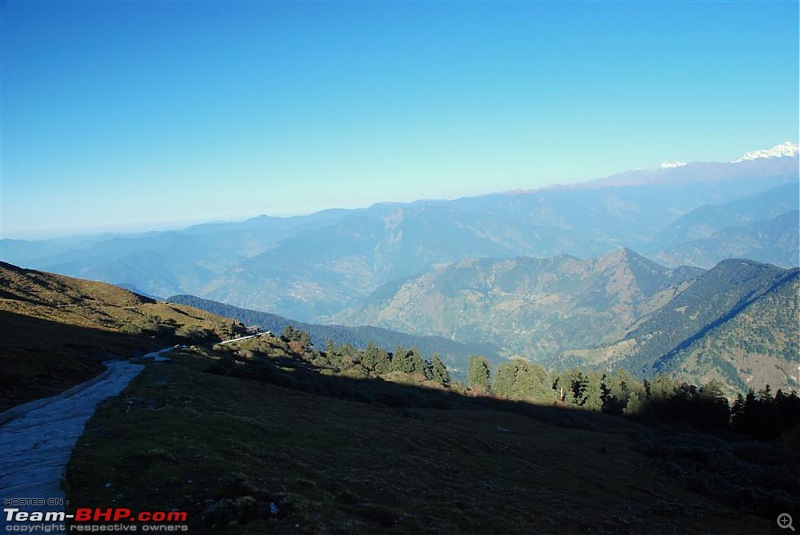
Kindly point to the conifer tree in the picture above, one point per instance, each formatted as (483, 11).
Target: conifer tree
(574, 386)
(439, 372)
(416, 362)
(479, 374)
(384, 364)
(504, 377)
(540, 383)
(330, 348)
(408, 361)
(288, 333)
(523, 381)
(591, 395)
(370, 356)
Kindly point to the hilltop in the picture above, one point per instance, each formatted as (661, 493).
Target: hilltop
(56, 330)
(223, 449)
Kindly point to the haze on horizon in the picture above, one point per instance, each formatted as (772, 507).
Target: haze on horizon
(143, 116)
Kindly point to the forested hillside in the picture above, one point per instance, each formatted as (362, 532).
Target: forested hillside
(455, 354)
(334, 420)
(736, 323)
(535, 307)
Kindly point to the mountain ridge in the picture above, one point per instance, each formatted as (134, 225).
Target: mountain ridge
(787, 148)
(313, 267)
(708, 330)
(616, 310)
(527, 299)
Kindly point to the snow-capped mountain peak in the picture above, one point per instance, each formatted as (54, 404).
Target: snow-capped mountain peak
(671, 165)
(784, 149)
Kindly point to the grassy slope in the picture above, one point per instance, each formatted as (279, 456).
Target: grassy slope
(55, 331)
(42, 358)
(183, 439)
(224, 448)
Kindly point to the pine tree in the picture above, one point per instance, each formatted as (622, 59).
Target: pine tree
(330, 348)
(523, 381)
(288, 333)
(617, 390)
(439, 371)
(592, 393)
(408, 361)
(574, 386)
(663, 388)
(636, 404)
(417, 363)
(504, 378)
(383, 363)
(370, 356)
(399, 359)
(540, 383)
(479, 374)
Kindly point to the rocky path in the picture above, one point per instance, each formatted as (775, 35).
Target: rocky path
(36, 445)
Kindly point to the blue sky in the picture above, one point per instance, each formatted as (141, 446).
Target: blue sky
(122, 116)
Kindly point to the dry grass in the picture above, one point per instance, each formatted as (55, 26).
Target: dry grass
(55, 330)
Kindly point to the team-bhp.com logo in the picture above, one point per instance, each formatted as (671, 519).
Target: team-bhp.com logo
(94, 520)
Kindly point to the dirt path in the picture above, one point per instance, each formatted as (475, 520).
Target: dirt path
(36, 446)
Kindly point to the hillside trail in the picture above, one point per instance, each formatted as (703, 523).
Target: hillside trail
(36, 443)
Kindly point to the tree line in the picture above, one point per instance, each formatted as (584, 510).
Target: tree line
(404, 364)
(660, 399)
(758, 414)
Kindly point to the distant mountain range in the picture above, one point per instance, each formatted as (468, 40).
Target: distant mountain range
(737, 322)
(762, 227)
(313, 267)
(534, 307)
(784, 149)
(549, 274)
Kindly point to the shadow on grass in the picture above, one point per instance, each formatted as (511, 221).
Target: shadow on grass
(41, 358)
(760, 477)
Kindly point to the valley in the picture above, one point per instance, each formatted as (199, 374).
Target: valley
(616, 310)
(443, 268)
(577, 275)
(430, 358)
(271, 434)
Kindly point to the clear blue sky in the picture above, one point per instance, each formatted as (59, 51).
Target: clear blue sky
(145, 115)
